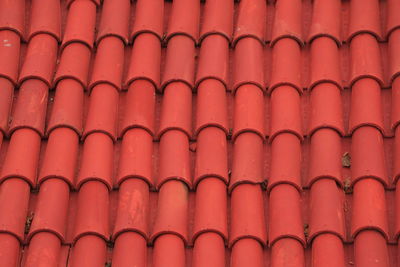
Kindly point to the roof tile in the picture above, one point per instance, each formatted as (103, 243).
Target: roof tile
(247, 252)
(180, 61)
(6, 95)
(40, 59)
(368, 157)
(247, 163)
(97, 160)
(326, 20)
(148, 18)
(211, 106)
(184, 20)
(366, 105)
(130, 248)
(14, 200)
(394, 54)
(45, 18)
(133, 208)
(108, 63)
(38, 243)
(9, 53)
(325, 156)
(136, 156)
(51, 209)
(115, 20)
(367, 242)
(169, 250)
(362, 66)
(364, 18)
(326, 109)
(286, 21)
(145, 60)
(102, 114)
(393, 21)
(74, 64)
(248, 113)
(30, 110)
(287, 250)
(209, 250)
(211, 209)
(251, 20)
(326, 204)
(172, 212)
(328, 250)
(325, 62)
(248, 67)
(211, 155)
(285, 219)
(139, 107)
(174, 158)
(218, 19)
(80, 24)
(60, 160)
(213, 60)
(92, 213)
(285, 112)
(68, 107)
(286, 65)
(369, 208)
(12, 16)
(176, 109)
(247, 214)
(285, 161)
(90, 249)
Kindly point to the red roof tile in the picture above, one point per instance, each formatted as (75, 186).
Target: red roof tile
(199, 133)
(13, 17)
(114, 20)
(145, 60)
(218, 19)
(325, 21)
(80, 25)
(250, 20)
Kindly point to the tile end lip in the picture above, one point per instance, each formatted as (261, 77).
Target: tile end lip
(18, 237)
(206, 34)
(156, 235)
(147, 180)
(378, 229)
(295, 185)
(334, 38)
(364, 31)
(198, 233)
(314, 235)
(64, 44)
(382, 180)
(203, 177)
(39, 230)
(116, 234)
(301, 240)
(262, 241)
(312, 180)
(86, 233)
(68, 181)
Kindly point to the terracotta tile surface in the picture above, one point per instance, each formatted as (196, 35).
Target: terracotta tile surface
(199, 133)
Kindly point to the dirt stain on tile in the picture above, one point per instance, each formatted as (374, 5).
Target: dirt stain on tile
(28, 222)
(346, 160)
